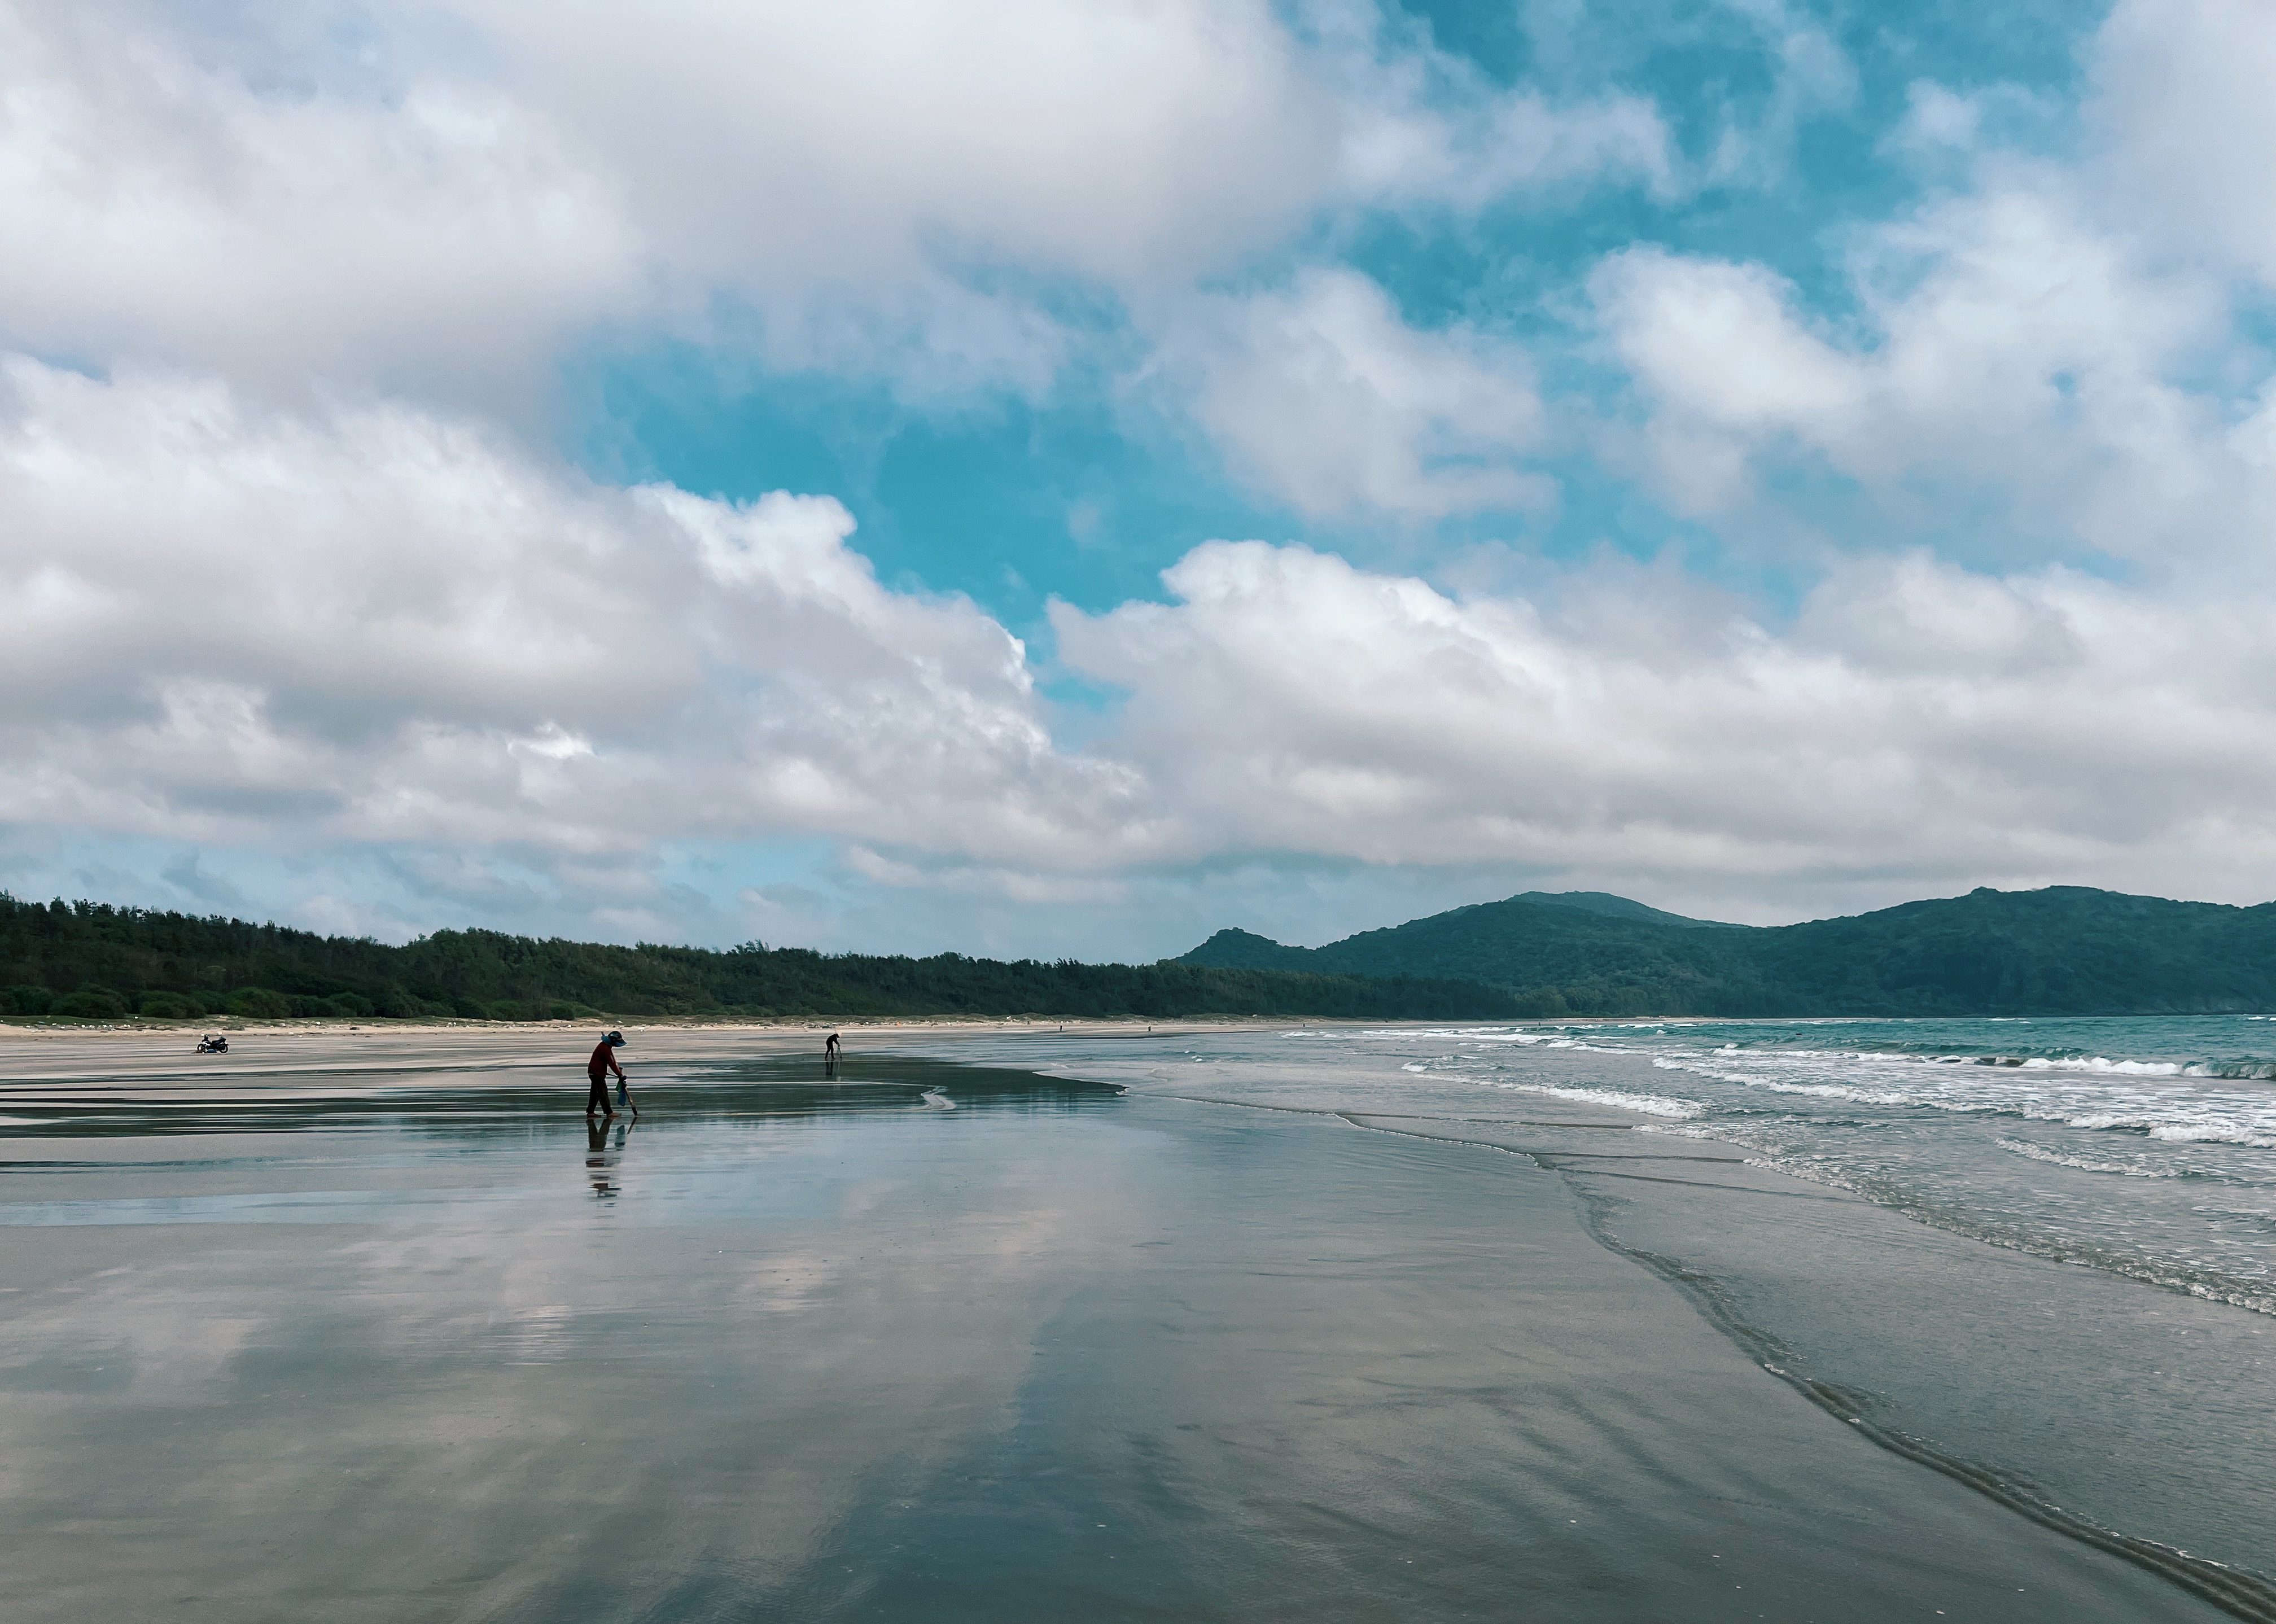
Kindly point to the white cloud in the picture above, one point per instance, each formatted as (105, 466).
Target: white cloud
(1809, 75)
(2184, 122)
(1937, 117)
(437, 200)
(1424, 153)
(277, 581)
(1104, 140)
(377, 631)
(377, 626)
(1323, 398)
(2049, 348)
(441, 201)
(1719, 349)
(1917, 720)
(1424, 128)
(162, 207)
(2008, 349)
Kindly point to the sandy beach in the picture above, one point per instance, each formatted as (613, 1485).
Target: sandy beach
(152, 1052)
(371, 1325)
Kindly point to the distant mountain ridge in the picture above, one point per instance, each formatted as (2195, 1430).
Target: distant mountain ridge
(1616, 908)
(2066, 950)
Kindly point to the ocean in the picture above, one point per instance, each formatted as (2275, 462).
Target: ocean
(2057, 1274)
(2144, 1147)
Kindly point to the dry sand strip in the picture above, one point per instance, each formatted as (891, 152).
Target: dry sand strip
(30, 1054)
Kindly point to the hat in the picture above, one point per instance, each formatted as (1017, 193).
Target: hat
(615, 1040)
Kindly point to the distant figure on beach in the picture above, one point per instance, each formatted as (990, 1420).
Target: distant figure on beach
(603, 1062)
(830, 1049)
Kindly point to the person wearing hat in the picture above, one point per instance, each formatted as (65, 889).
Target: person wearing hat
(603, 1062)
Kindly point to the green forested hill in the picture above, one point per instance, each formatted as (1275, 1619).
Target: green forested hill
(93, 962)
(2063, 950)
(2066, 950)
(1618, 907)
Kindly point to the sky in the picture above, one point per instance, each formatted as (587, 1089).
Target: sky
(1060, 477)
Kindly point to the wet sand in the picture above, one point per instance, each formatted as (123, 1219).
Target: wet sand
(34, 1053)
(362, 1328)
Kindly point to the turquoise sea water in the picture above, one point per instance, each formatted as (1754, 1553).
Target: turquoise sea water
(2142, 1146)
(2042, 1253)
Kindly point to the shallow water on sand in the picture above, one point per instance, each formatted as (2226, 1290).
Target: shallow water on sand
(1848, 1201)
(2145, 1146)
(932, 1341)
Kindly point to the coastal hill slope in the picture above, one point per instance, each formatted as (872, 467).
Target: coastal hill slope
(2066, 950)
(1613, 908)
(2062, 951)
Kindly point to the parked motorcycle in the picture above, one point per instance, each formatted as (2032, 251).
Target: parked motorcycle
(213, 1043)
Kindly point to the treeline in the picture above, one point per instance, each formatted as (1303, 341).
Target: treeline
(89, 960)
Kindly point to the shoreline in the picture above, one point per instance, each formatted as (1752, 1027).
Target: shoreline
(1656, 1205)
(1536, 1337)
(43, 1025)
(289, 1049)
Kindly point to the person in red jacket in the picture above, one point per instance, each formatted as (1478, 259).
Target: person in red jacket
(603, 1062)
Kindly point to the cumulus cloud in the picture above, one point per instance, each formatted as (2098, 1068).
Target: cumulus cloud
(1810, 76)
(165, 205)
(1424, 128)
(1916, 719)
(1325, 398)
(1720, 350)
(1421, 152)
(438, 200)
(378, 629)
(1106, 140)
(2180, 116)
(280, 577)
(2008, 349)
(376, 625)
(2051, 348)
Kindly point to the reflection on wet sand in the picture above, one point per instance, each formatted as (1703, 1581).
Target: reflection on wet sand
(407, 1394)
(370, 1350)
(601, 1156)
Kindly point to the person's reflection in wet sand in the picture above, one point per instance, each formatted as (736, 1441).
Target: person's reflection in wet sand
(601, 1159)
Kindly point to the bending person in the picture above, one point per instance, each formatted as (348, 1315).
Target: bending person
(597, 1068)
